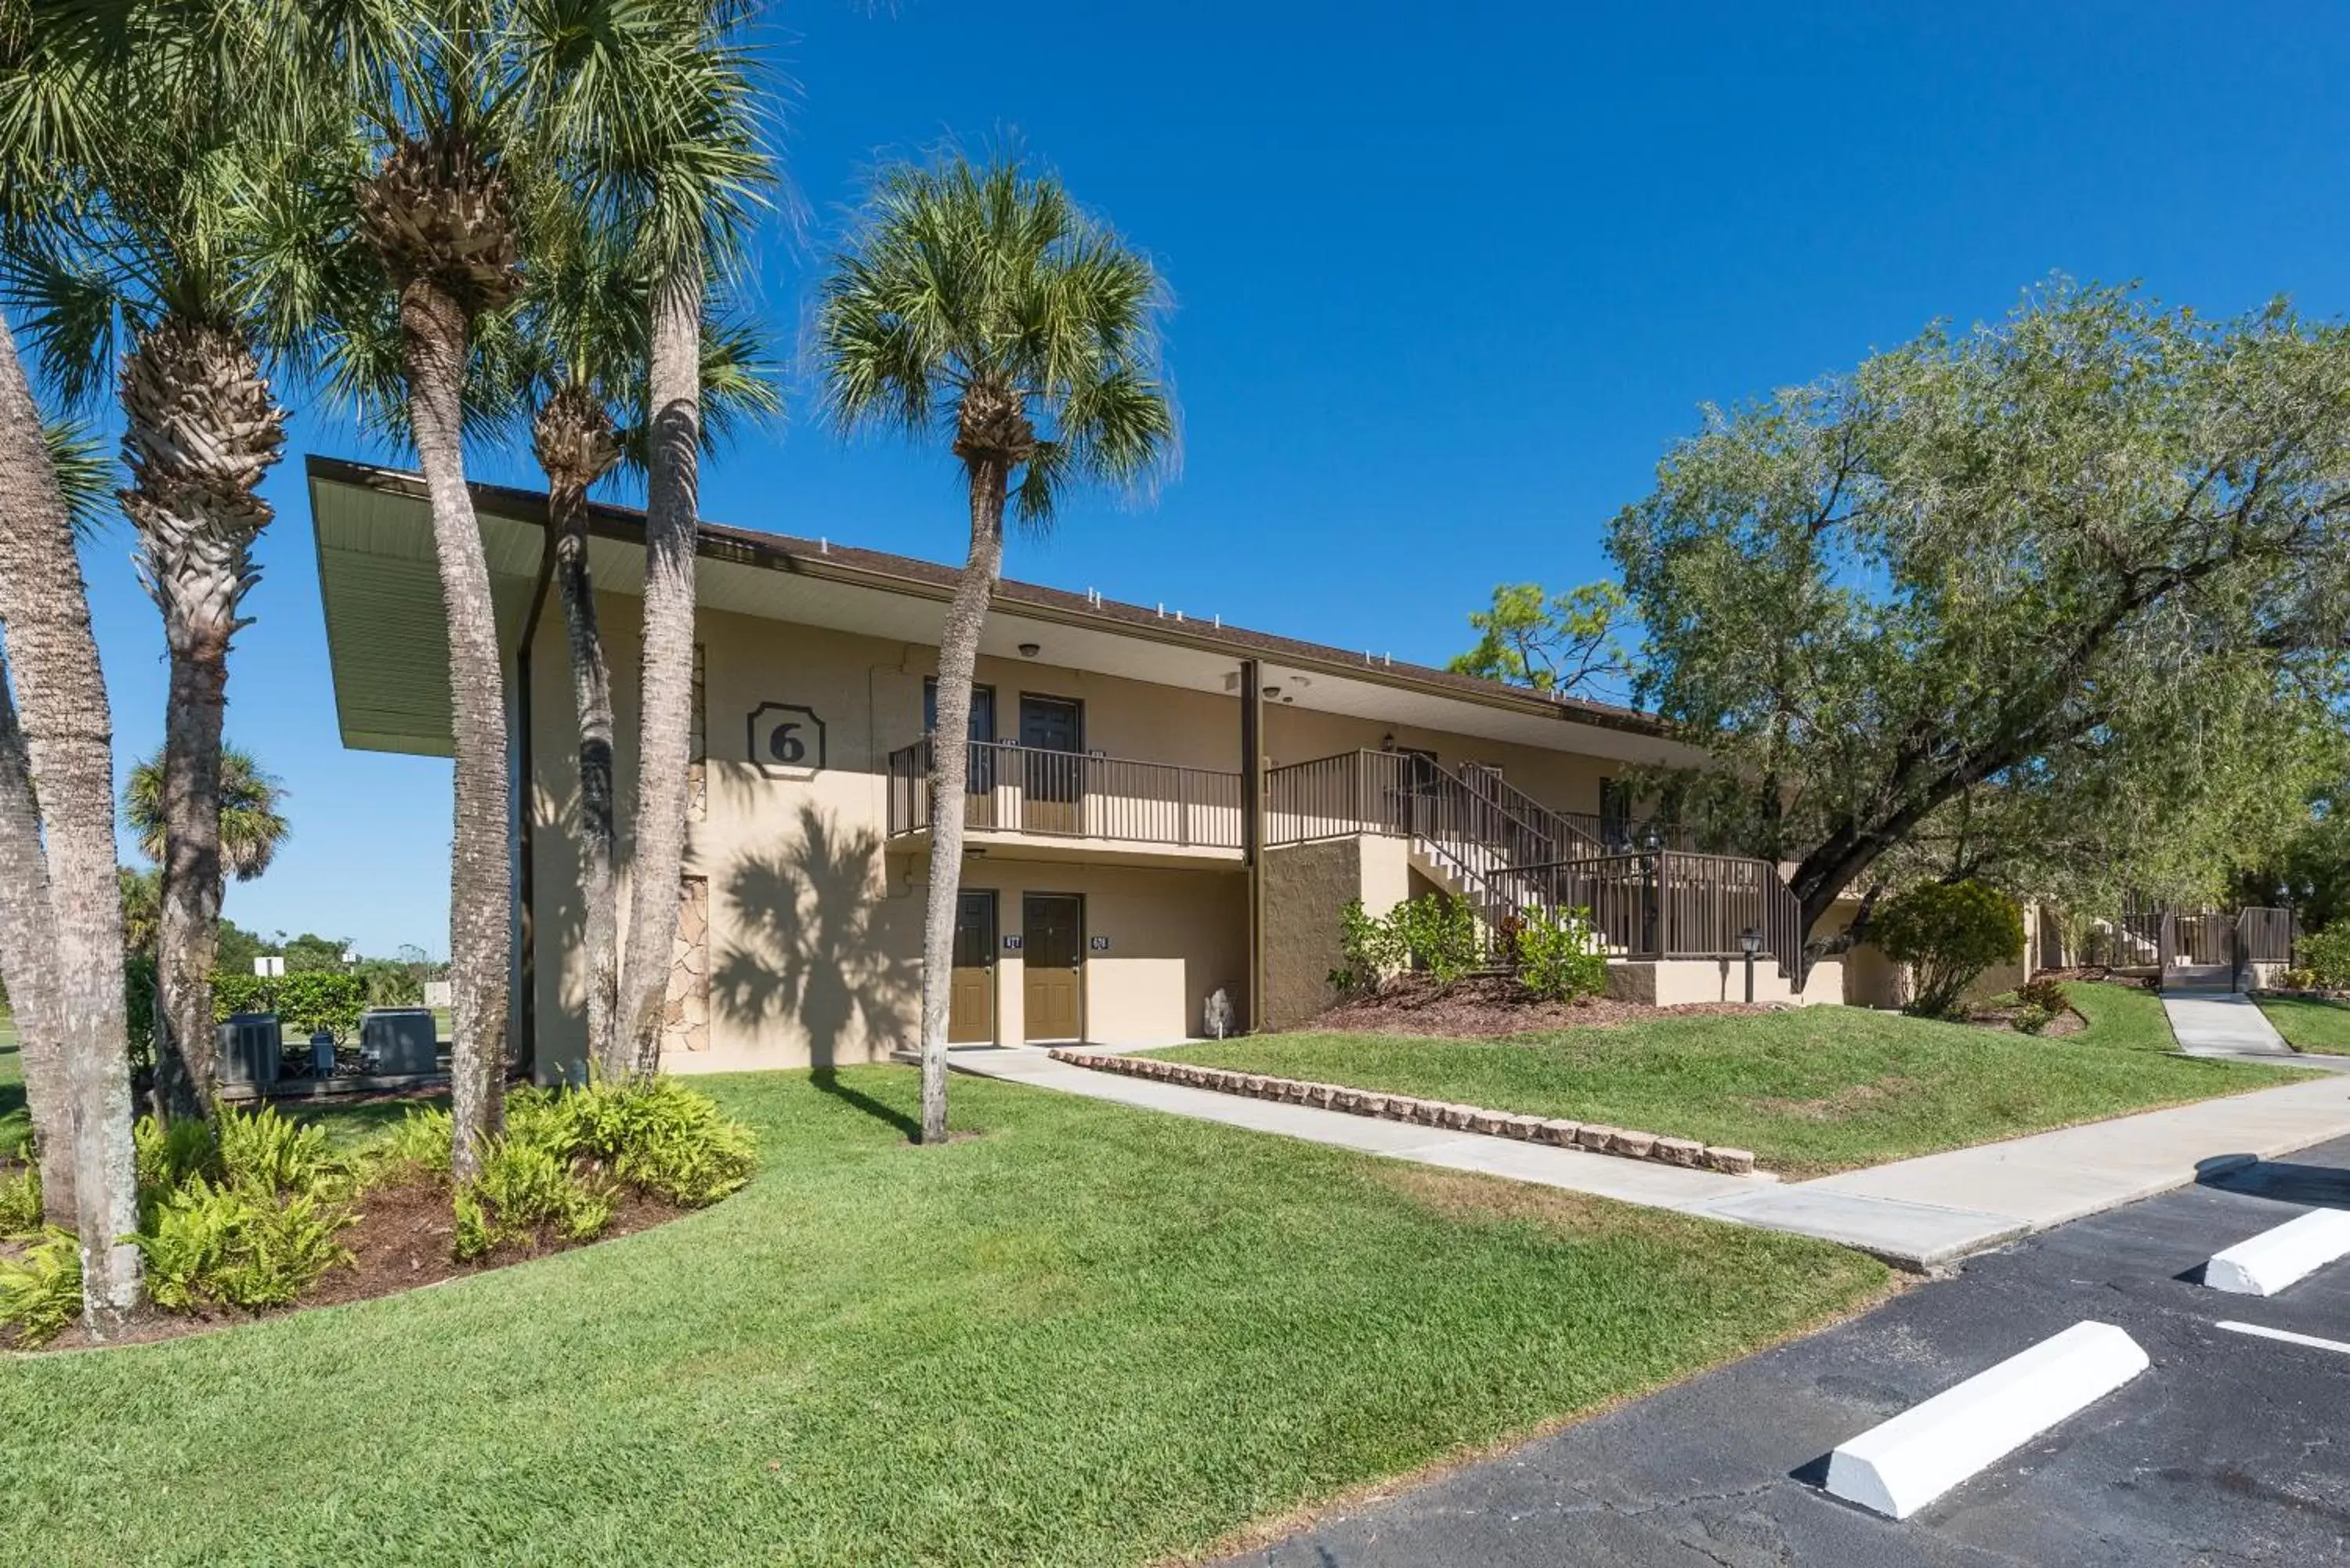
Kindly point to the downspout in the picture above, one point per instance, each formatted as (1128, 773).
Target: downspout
(525, 814)
(1253, 832)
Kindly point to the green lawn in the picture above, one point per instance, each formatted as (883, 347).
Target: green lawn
(2311, 1023)
(1809, 1091)
(1092, 1335)
(15, 1127)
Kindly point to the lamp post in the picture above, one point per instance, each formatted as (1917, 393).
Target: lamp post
(1750, 943)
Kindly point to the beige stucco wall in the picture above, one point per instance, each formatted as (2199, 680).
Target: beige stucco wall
(1686, 982)
(815, 917)
(1306, 887)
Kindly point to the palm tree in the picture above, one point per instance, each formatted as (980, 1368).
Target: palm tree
(667, 127)
(250, 826)
(28, 961)
(144, 241)
(982, 305)
(584, 333)
(60, 699)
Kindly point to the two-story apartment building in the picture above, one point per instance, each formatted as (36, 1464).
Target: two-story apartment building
(1161, 807)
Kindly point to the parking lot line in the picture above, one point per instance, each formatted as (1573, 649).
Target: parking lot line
(2287, 1335)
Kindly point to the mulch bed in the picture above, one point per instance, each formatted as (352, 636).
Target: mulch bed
(1486, 1007)
(2004, 1018)
(401, 1242)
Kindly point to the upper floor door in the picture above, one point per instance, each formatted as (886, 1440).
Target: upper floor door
(1053, 734)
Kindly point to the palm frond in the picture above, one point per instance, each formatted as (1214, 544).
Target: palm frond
(84, 474)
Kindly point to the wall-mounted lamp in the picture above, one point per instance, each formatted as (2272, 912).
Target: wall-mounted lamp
(1387, 741)
(1031, 649)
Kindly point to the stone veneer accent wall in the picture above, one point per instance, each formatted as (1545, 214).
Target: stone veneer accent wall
(1590, 1138)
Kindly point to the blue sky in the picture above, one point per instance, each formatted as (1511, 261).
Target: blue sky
(1449, 277)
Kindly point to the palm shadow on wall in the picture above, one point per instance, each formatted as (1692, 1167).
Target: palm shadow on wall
(807, 946)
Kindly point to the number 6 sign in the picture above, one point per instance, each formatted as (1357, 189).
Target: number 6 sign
(787, 737)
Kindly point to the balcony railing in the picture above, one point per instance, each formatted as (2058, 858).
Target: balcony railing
(1070, 795)
(1671, 905)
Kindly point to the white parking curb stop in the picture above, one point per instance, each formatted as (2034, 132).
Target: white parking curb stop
(2274, 1259)
(1899, 1467)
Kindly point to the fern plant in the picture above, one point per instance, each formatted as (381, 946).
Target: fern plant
(40, 1294)
(20, 1197)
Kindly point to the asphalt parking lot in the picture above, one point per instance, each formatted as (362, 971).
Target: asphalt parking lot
(2230, 1450)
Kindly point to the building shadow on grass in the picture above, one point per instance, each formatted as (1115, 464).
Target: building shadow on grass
(828, 1081)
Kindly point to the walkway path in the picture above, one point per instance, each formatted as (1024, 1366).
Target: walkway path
(1918, 1213)
(2222, 1023)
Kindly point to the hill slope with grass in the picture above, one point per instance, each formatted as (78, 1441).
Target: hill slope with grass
(1810, 1090)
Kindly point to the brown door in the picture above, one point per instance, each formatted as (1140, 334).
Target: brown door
(1053, 944)
(970, 1010)
(1053, 762)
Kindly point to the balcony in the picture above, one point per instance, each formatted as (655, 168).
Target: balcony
(1063, 804)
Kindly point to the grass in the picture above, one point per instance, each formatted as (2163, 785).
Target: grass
(1809, 1091)
(15, 1124)
(2311, 1023)
(1092, 1335)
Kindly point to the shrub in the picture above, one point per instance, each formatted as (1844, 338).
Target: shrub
(40, 1295)
(1440, 934)
(304, 1002)
(662, 1137)
(1559, 955)
(20, 1198)
(164, 1156)
(236, 1244)
(2326, 954)
(1950, 932)
(2048, 995)
(476, 1237)
(2298, 980)
(420, 1140)
(2032, 1018)
(265, 1151)
(1368, 951)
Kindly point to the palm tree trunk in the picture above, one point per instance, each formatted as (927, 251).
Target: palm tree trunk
(187, 935)
(665, 735)
(950, 767)
(69, 738)
(434, 333)
(591, 694)
(28, 964)
(201, 430)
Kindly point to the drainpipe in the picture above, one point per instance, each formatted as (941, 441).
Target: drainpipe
(1252, 831)
(523, 1050)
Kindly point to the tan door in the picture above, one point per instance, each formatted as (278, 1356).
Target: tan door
(970, 1010)
(1053, 948)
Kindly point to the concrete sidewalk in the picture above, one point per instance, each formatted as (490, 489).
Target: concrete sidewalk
(2225, 1024)
(1917, 1213)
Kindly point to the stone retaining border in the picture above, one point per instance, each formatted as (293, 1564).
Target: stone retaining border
(1590, 1138)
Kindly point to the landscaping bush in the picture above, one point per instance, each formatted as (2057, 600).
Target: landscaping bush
(2032, 1018)
(420, 1140)
(1440, 934)
(40, 1295)
(1950, 932)
(240, 1245)
(2326, 955)
(2048, 995)
(20, 1197)
(2298, 980)
(663, 1138)
(166, 1156)
(1559, 956)
(1370, 950)
(265, 1152)
(304, 1002)
(566, 1156)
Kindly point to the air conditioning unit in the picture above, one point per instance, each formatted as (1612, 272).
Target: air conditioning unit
(250, 1048)
(397, 1040)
